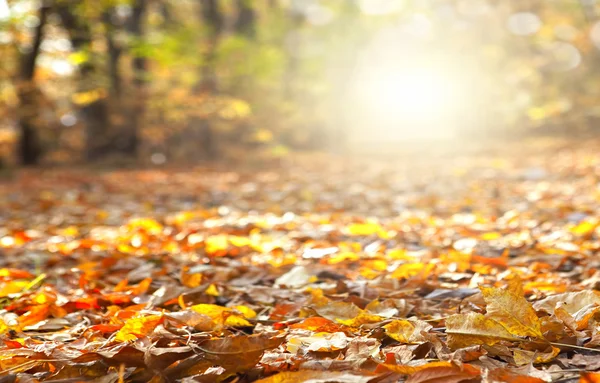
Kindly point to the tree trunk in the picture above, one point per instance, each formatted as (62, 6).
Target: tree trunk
(114, 54)
(130, 142)
(245, 24)
(212, 16)
(95, 113)
(30, 149)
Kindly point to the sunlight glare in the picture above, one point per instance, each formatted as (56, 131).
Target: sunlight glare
(412, 95)
(4, 10)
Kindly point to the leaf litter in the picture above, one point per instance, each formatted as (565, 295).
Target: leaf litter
(437, 270)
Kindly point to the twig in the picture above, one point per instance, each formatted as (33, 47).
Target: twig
(573, 346)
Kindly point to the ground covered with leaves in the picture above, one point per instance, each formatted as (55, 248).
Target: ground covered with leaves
(424, 269)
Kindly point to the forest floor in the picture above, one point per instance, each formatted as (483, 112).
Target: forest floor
(424, 267)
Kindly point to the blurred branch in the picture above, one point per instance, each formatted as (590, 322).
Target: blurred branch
(246, 21)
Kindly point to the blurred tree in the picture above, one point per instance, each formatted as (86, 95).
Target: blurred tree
(93, 105)
(188, 79)
(28, 92)
(212, 17)
(246, 19)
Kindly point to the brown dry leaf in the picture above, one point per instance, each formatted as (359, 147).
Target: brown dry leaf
(581, 306)
(509, 307)
(452, 374)
(470, 329)
(524, 357)
(572, 302)
(505, 375)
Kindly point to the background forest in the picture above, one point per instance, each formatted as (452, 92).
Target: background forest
(183, 80)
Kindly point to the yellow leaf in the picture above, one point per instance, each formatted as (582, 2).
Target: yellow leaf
(216, 243)
(212, 290)
(238, 241)
(347, 314)
(409, 270)
(360, 319)
(509, 307)
(246, 311)
(148, 225)
(471, 329)
(367, 228)
(12, 287)
(405, 331)
(346, 256)
(138, 327)
(490, 236)
(222, 315)
(3, 327)
(584, 227)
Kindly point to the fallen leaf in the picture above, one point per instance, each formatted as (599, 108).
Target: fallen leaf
(405, 331)
(470, 329)
(316, 377)
(138, 327)
(510, 308)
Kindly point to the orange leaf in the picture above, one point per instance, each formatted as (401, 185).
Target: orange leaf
(138, 327)
(589, 377)
(317, 324)
(315, 376)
